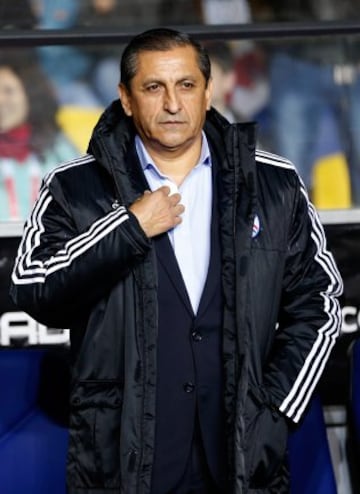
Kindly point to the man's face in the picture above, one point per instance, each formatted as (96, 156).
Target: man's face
(13, 101)
(168, 99)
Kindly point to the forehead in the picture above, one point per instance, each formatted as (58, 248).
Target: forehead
(176, 62)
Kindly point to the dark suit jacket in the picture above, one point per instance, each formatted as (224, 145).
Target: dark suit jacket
(190, 377)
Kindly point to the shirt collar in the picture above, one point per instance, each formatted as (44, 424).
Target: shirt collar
(147, 162)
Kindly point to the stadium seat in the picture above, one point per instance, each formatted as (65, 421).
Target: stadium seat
(77, 123)
(331, 180)
(353, 433)
(332, 188)
(311, 469)
(33, 444)
(355, 390)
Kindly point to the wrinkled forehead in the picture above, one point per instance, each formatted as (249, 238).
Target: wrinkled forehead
(178, 62)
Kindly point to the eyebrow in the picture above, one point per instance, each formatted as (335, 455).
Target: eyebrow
(157, 80)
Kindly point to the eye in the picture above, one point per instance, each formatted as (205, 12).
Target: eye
(187, 84)
(152, 87)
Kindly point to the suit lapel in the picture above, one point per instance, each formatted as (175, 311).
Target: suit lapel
(166, 257)
(214, 270)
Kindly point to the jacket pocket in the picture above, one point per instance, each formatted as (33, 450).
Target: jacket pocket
(266, 440)
(94, 447)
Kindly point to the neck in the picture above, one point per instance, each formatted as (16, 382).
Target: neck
(177, 164)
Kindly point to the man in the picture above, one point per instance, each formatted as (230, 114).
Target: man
(194, 276)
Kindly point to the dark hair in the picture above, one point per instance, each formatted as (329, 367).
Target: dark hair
(41, 98)
(159, 39)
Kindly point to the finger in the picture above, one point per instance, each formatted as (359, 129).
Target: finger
(175, 198)
(164, 189)
(179, 209)
(177, 220)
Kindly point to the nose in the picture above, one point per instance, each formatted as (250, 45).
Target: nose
(172, 102)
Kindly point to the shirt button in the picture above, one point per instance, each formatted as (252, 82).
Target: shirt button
(196, 336)
(189, 387)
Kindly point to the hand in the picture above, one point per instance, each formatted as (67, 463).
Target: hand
(157, 212)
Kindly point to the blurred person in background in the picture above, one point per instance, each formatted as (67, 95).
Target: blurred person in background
(31, 142)
(91, 74)
(204, 11)
(225, 11)
(223, 76)
(65, 66)
(315, 89)
(103, 61)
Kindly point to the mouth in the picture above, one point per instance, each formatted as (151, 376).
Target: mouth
(172, 122)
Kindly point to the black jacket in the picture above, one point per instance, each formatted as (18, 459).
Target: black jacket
(85, 263)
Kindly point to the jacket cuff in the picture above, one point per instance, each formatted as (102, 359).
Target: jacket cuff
(137, 233)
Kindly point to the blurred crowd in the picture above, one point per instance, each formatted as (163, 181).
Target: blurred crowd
(305, 95)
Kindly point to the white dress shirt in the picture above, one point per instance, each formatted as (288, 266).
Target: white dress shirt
(191, 239)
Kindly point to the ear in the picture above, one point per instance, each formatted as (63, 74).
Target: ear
(125, 99)
(208, 93)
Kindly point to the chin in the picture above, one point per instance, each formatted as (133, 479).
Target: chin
(171, 142)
